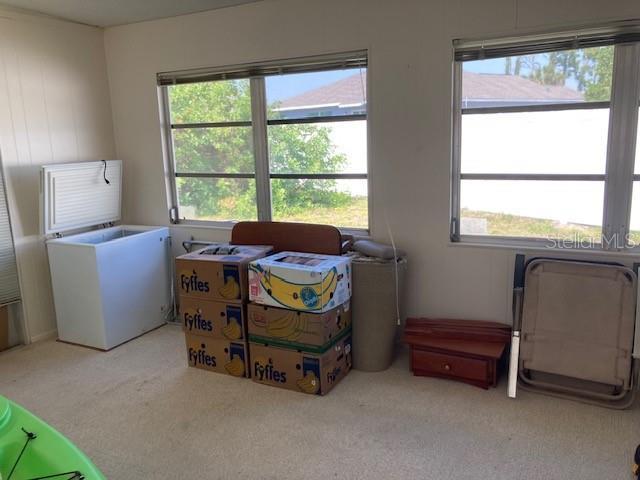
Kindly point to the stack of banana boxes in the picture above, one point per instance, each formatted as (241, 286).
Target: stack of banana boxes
(299, 321)
(212, 288)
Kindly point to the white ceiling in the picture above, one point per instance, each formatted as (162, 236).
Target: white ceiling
(107, 13)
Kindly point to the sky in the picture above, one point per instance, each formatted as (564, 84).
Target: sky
(280, 87)
(495, 65)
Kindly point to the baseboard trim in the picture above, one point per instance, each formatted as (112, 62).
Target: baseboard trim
(45, 336)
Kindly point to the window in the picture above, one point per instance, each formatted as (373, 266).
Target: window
(279, 141)
(213, 150)
(544, 142)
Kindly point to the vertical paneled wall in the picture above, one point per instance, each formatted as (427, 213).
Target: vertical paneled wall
(54, 107)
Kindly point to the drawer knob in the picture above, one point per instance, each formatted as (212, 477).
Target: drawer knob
(447, 367)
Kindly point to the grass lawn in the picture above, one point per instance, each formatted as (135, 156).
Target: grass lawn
(517, 226)
(353, 215)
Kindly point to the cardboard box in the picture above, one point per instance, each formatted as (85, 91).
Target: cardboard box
(301, 371)
(293, 329)
(217, 272)
(4, 328)
(217, 355)
(300, 281)
(213, 319)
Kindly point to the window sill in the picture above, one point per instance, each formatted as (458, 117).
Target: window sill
(542, 250)
(204, 225)
(228, 226)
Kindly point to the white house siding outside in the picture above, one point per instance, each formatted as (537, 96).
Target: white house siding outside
(551, 142)
(345, 96)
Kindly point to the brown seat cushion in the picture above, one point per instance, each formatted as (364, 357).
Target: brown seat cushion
(285, 236)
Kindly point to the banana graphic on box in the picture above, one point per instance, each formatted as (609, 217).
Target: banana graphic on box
(231, 289)
(310, 296)
(284, 326)
(309, 383)
(288, 327)
(232, 331)
(235, 367)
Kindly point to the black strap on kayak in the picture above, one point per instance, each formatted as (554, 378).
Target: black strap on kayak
(30, 436)
(74, 475)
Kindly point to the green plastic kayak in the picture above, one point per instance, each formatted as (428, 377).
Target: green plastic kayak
(32, 450)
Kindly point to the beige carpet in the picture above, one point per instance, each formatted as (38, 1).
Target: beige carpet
(140, 413)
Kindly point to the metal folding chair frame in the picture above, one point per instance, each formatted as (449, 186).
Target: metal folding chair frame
(517, 377)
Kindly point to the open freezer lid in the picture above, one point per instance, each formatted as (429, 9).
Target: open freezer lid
(80, 195)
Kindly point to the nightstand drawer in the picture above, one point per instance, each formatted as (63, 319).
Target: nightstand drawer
(425, 362)
(463, 350)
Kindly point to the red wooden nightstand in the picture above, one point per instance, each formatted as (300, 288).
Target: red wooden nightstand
(464, 350)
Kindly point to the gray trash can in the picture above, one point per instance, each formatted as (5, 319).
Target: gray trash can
(374, 316)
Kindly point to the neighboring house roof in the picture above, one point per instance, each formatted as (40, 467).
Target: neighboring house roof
(476, 87)
(490, 86)
(348, 91)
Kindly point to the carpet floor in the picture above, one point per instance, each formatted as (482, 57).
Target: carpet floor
(140, 413)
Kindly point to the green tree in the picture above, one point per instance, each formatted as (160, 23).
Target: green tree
(300, 148)
(559, 66)
(596, 73)
(590, 69)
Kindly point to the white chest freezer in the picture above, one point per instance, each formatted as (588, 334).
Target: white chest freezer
(111, 284)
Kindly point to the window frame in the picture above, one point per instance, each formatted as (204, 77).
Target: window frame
(618, 177)
(259, 124)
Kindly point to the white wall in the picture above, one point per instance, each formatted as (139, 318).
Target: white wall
(54, 107)
(409, 43)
